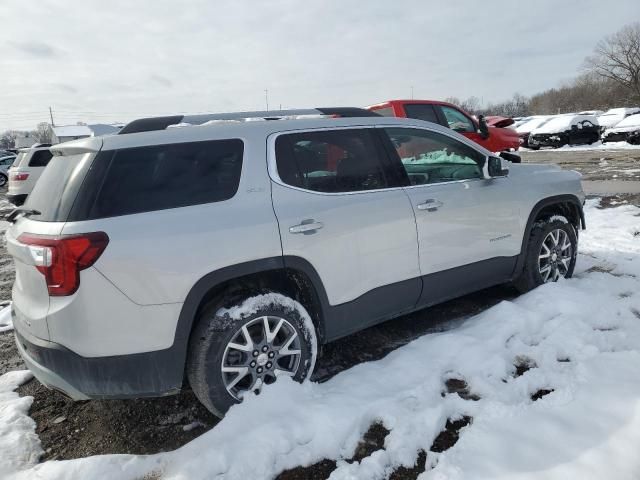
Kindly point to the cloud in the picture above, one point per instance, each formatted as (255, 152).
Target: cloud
(160, 80)
(35, 49)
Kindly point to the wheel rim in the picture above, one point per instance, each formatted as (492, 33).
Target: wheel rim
(258, 353)
(555, 256)
(3, 180)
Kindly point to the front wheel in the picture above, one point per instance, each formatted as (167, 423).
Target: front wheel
(238, 350)
(3, 179)
(551, 253)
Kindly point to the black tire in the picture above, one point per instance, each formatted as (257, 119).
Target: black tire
(3, 180)
(217, 328)
(531, 277)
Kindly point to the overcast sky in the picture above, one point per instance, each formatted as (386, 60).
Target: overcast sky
(97, 60)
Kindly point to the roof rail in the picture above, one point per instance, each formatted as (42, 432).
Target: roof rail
(161, 123)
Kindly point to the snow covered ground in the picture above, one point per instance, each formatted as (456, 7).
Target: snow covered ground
(579, 339)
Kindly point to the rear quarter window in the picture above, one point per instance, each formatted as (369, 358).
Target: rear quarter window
(40, 158)
(144, 179)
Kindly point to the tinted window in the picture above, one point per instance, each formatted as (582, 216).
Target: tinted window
(430, 157)
(421, 112)
(53, 193)
(40, 158)
(457, 120)
(169, 176)
(385, 112)
(331, 161)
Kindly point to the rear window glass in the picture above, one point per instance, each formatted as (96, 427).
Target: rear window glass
(53, 195)
(158, 177)
(19, 158)
(40, 158)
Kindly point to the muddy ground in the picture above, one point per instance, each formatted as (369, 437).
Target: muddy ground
(77, 429)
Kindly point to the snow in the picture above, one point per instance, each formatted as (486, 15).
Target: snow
(562, 123)
(6, 323)
(581, 336)
(533, 123)
(19, 444)
(613, 116)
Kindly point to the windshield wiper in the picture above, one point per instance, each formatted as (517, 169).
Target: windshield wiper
(20, 211)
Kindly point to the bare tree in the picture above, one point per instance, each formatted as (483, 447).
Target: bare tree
(8, 139)
(42, 133)
(617, 58)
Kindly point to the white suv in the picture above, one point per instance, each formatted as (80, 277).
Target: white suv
(225, 253)
(25, 171)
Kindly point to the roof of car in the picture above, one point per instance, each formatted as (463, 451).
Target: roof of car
(239, 129)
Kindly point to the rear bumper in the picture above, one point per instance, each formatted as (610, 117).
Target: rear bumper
(149, 374)
(17, 198)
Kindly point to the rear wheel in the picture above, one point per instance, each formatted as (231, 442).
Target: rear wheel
(551, 253)
(3, 179)
(239, 350)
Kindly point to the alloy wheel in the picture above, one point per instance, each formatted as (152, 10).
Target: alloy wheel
(258, 353)
(555, 256)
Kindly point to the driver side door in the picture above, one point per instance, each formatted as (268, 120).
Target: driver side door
(467, 227)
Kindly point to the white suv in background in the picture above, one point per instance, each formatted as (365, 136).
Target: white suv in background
(227, 252)
(25, 171)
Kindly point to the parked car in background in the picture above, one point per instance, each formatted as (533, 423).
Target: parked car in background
(612, 117)
(565, 130)
(27, 168)
(525, 128)
(628, 130)
(5, 163)
(494, 139)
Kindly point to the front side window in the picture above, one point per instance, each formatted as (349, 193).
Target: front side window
(332, 161)
(158, 177)
(457, 120)
(430, 157)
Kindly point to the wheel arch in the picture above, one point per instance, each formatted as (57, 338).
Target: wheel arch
(567, 205)
(292, 276)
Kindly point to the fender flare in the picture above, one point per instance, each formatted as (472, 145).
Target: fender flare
(537, 208)
(193, 300)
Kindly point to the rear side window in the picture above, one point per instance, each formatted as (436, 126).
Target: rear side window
(331, 161)
(385, 112)
(40, 158)
(421, 112)
(158, 177)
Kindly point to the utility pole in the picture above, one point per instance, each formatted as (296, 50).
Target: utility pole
(266, 98)
(411, 92)
(51, 115)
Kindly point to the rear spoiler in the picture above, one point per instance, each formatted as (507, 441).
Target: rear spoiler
(161, 123)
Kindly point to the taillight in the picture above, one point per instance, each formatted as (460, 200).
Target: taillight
(19, 176)
(60, 259)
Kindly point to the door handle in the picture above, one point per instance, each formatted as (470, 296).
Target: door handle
(306, 227)
(430, 205)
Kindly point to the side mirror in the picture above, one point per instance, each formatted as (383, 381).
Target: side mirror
(512, 157)
(483, 129)
(495, 167)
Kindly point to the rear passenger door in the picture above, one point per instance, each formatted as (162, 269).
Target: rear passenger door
(341, 208)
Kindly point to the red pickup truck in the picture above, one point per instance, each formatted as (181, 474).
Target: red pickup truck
(494, 139)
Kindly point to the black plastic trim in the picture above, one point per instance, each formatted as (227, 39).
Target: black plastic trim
(537, 208)
(149, 124)
(17, 199)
